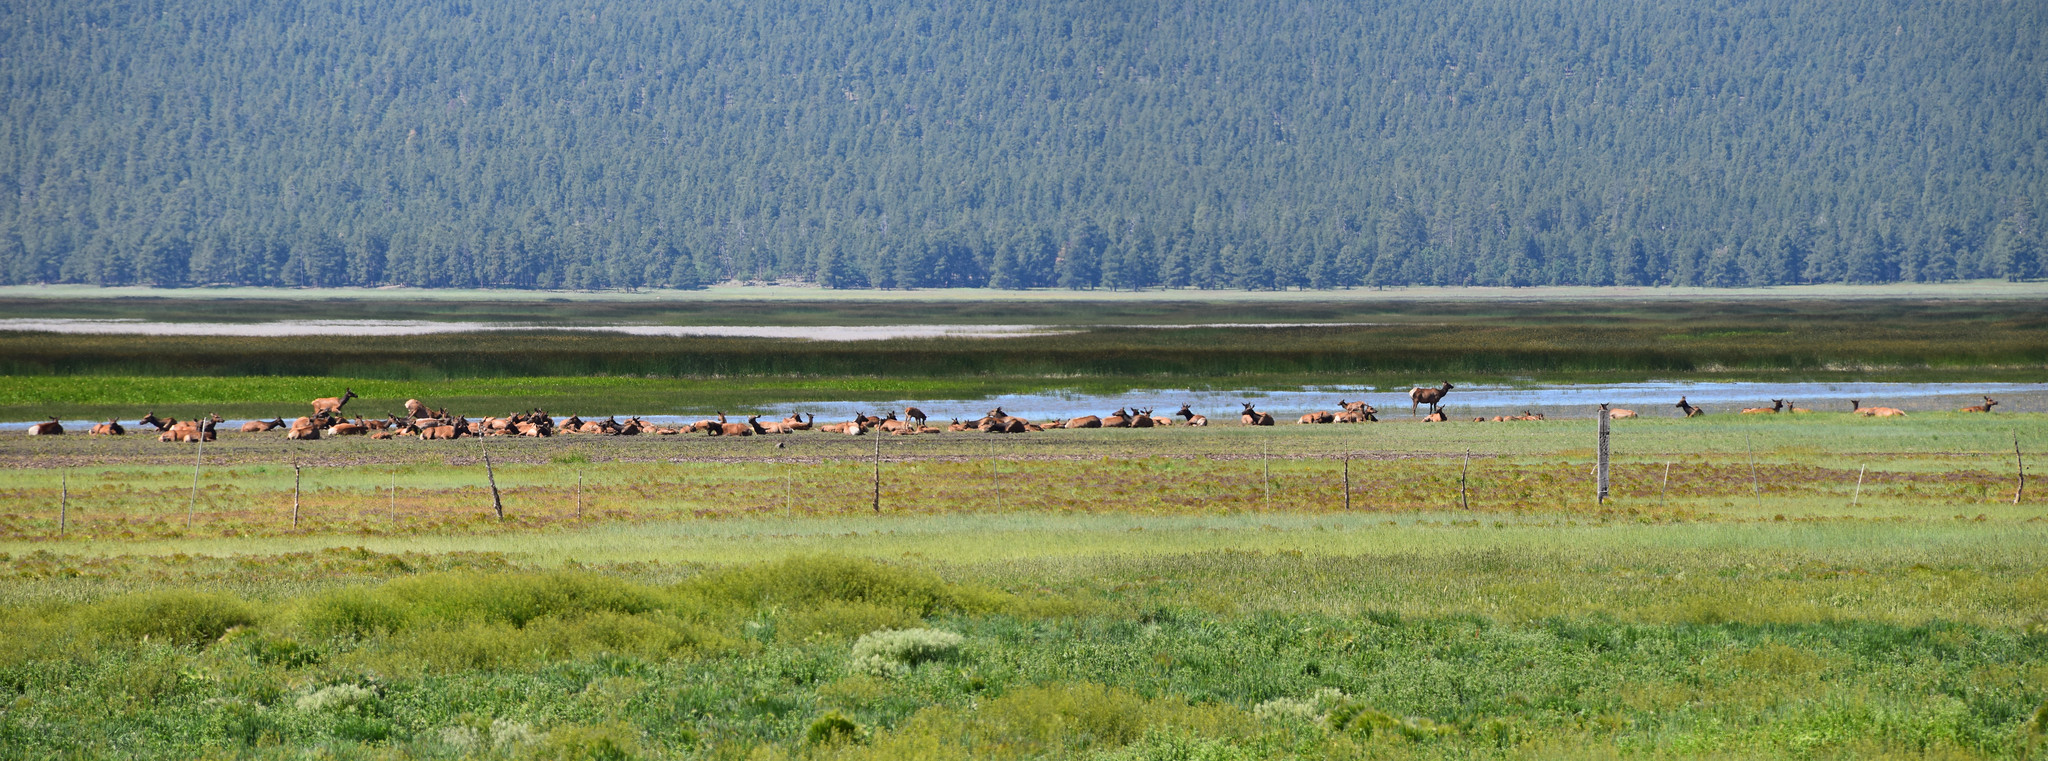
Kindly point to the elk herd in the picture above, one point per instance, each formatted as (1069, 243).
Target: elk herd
(423, 422)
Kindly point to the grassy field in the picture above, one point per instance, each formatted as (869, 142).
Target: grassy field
(1166, 594)
(1391, 344)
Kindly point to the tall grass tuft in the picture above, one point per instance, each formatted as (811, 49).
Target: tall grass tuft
(895, 652)
(182, 617)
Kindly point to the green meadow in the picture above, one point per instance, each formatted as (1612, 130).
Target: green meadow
(1810, 586)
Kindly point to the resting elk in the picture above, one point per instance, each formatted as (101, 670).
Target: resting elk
(1119, 419)
(333, 403)
(1437, 416)
(1192, 418)
(191, 431)
(1317, 418)
(1253, 417)
(1858, 408)
(52, 428)
(1617, 414)
(1687, 408)
(1776, 405)
(414, 408)
(1142, 419)
(110, 428)
(446, 431)
(1085, 421)
(1358, 412)
(153, 421)
(1985, 407)
(258, 426)
(1429, 396)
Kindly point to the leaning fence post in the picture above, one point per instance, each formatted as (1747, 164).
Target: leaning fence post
(497, 502)
(63, 500)
(1665, 490)
(1858, 497)
(2019, 462)
(1463, 502)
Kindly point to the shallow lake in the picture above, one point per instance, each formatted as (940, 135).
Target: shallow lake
(1557, 401)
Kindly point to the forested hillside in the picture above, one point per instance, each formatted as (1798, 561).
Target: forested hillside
(1024, 143)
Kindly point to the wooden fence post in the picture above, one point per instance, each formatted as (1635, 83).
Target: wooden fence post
(1464, 503)
(579, 494)
(1859, 485)
(2020, 462)
(1665, 490)
(295, 494)
(1347, 483)
(1601, 476)
(63, 500)
(497, 501)
(878, 472)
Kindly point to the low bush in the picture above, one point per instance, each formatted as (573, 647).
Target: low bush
(178, 616)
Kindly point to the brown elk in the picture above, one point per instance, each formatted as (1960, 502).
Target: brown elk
(1358, 412)
(152, 421)
(1437, 416)
(1253, 417)
(51, 428)
(731, 429)
(191, 431)
(1192, 418)
(916, 415)
(797, 422)
(446, 431)
(259, 426)
(1776, 405)
(306, 432)
(1085, 421)
(333, 403)
(957, 426)
(1617, 414)
(414, 408)
(1119, 419)
(110, 428)
(1687, 408)
(1858, 408)
(1141, 419)
(1985, 407)
(1430, 396)
(348, 429)
(1314, 418)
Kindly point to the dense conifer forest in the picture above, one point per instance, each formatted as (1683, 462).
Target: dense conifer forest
(1042, 143)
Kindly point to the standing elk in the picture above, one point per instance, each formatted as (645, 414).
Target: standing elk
(52, 428)
(1430, 396)
(1985, 407)
(1253, 417)
(1192, 418)
(325, 405)
(1687, 408)
(916, 415)
(1857, 407)
(1776, 405)
(110, 428)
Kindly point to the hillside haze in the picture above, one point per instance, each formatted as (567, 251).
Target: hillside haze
(1318, 144)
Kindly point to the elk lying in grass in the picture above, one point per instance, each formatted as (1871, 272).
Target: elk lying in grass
(258, 426)
(190, 431)
(1437, 415)
(1857, 407)
(1776, 406)
(329, 404)
(1617, 414)
(1085, 421)
(1192, 418)
(1121, 418)
(1143, 419)
(1316, 418)
(1687, 408)
(413, 408)
(110, 428)
(1253, 417)
(153, 421)
(51, 428)
(1430, 396)
(1985, 407)
(1358, 412)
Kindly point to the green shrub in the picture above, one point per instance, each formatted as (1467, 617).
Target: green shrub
(606, 742)
(805, 581)
(892, 652)
(177, 616)
(834, 618)
(516, 598)
(831, 729)
(351, 613)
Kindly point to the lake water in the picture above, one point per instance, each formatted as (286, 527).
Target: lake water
(1653, 399)
(428, 327)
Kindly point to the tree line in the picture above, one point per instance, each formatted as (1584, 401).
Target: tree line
(1046, 143)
